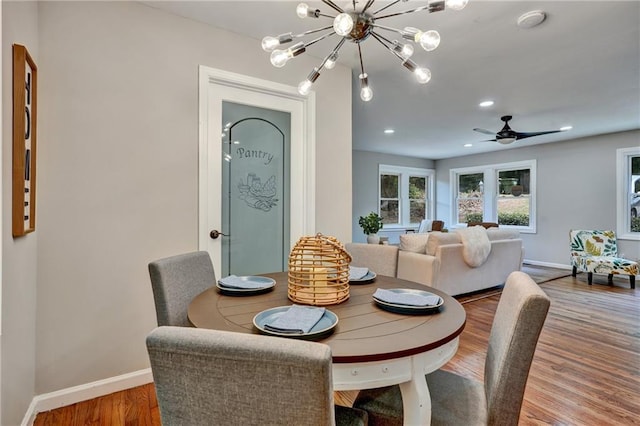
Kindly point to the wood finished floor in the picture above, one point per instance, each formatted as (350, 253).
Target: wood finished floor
(586, 370)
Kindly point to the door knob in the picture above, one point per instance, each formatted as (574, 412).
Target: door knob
(215, 234)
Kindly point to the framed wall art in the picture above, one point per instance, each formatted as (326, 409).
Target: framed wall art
(25, 89)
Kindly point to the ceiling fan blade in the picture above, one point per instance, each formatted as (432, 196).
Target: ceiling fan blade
(490, 140)
(485, 131)
(524, 135)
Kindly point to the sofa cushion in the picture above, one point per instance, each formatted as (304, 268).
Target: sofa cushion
(437, 239)
(415, 243)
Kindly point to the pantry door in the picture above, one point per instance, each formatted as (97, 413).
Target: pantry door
(267, 180)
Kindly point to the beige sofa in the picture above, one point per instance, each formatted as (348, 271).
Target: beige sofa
(436, 259)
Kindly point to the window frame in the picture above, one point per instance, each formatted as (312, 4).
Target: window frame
(403, 174)
(490, 192)
(623, 196)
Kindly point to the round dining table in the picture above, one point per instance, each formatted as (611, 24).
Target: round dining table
(371, 347)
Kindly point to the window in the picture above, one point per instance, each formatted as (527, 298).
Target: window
(470, 202)
(406, 195)
(628, 193)
(514, 197)
(501, 193)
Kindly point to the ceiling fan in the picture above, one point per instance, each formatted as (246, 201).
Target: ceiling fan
(508, 135)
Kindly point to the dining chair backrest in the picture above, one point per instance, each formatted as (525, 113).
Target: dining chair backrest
(516, 327)
(212, 377)
(379, 258)
(175, 281)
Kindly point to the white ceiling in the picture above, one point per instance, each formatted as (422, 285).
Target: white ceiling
(580, 67)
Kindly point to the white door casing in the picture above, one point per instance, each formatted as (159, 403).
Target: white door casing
(216, 86)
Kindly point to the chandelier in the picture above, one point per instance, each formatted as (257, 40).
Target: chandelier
(357, 26)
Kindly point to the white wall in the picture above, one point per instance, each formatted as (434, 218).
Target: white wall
(118, 171)
(365, 183)
(576, 183)
(19, 25)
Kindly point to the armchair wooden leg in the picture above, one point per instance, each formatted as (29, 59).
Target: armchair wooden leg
(610, 279)
(574, 271)
(590, 277)
(632, 280)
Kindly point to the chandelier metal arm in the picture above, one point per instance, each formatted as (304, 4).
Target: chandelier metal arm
(313, 31)
(332, 53)
(380, 39)
(436, 6)
(386, 7)
(361, 63)
(333, 5)
(319, 39)
(382, 27)
(366, 6)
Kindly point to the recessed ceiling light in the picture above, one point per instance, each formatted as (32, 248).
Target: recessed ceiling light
(565, 128)
(485, 104)
(389, 131)
(468, 145)
(531, 19)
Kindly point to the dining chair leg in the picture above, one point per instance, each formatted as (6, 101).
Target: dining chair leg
(590, 277)
(632, 281)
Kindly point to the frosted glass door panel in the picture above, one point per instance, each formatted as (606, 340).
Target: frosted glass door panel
(255, 190)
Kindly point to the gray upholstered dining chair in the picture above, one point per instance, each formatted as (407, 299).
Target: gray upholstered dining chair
(213, 377)
(381, 259)
(175, 281)
(457, 400)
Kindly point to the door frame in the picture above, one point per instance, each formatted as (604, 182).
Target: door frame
(217, 85)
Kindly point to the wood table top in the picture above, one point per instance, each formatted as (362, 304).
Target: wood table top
(364, 332)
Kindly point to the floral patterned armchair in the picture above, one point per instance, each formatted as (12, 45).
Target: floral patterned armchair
(596, 252)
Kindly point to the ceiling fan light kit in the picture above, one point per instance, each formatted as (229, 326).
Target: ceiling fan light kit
(357, 25)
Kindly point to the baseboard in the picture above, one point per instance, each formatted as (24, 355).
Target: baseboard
(68, 396)
(547, 264)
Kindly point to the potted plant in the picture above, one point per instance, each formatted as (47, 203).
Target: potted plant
(371, 224)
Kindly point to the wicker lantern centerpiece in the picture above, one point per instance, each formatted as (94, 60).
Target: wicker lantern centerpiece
(319, 271)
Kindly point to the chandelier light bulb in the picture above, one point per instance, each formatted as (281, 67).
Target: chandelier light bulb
(365, 91)
(304, 87)
(429, 40)
(343, 24)
(404, 50)
(366, 94)
(279, 58)
(269, 43)
(330, 63)
(423, 75)
(407, 50)
(302, 10)
(456, 4)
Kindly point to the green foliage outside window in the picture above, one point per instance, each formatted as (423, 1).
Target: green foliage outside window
(514, 219)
